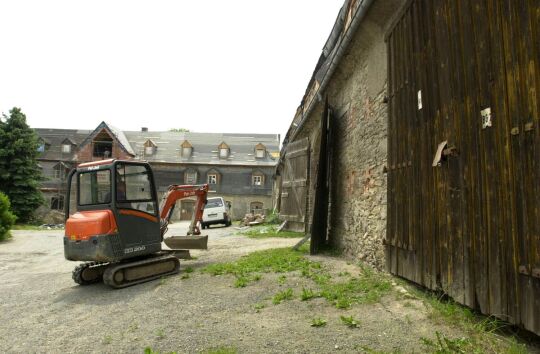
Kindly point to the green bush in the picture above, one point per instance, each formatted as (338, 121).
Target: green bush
(7, 219)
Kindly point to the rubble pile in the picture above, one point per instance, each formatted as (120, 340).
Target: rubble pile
(253, 219)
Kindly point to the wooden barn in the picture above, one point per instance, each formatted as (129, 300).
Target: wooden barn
(452, 202)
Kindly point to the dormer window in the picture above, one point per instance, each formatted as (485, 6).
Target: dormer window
(187, 149)
(41, 147)
(260, 151)
(103, 145)
(66, 148)
(224, 150)
(149, 148)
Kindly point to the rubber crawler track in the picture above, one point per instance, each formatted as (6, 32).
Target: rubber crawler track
(77, 273)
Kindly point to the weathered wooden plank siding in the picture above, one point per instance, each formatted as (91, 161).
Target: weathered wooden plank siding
(471, 225)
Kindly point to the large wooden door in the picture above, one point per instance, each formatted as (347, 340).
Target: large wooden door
(294, 185)
(464, 146)
(186, 209)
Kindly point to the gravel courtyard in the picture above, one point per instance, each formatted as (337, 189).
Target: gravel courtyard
(42, 310)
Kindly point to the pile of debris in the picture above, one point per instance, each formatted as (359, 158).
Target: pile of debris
(253, 219)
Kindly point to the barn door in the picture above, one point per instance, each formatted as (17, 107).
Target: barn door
(186, 211)
(319, 221)
(294, 185)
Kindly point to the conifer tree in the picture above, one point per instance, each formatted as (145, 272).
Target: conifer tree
(19, 171)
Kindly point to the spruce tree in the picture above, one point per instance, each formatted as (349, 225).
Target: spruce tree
(19, 171)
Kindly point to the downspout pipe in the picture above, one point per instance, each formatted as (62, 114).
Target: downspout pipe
(355, 23)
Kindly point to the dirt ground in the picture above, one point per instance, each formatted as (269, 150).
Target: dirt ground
(42, 310)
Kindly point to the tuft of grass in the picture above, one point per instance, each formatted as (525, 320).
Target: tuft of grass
(160, 333)
(188, 270)
(318, 322)
(149, 350)
(282, 279)
(282, 296)
(259, 306)
(241, 282)
(221, 350)
(307, 294)
(107, 339)
(185, 276)
(445, 345)
(266, 231)
(349, 321)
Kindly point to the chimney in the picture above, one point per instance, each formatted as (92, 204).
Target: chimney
(144, 129)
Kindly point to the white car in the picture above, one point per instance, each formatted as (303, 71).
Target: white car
(216, 211)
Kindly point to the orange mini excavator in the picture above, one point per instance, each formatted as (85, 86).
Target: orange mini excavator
(115, 226)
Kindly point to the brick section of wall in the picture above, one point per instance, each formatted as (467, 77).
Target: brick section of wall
(86, 153)
(356, 92)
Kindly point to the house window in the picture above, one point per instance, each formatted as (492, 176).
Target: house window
(66, 148)
(41, 147)
(223, 153)
(257, 180)
(259, 153)
(149, 150)
(256, 207)
(186, 152)
(190, 177)
(212, 179)
(57, 202)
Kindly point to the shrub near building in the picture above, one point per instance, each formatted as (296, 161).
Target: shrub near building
(7, 219)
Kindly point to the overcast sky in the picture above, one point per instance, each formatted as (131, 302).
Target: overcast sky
(208, 66)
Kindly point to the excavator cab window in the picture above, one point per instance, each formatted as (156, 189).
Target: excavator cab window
(95, 187)
(134, 189)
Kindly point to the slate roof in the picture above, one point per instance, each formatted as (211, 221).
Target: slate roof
(205, 145)
(54, 139)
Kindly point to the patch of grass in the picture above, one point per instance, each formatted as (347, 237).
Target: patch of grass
(445, 345)
(185, 276)
(241, 282)
(265, 231)
(279, 260)
(221, 350)
(107, 339)
(259, 306)
(27, 227)
(282, 296)
(349, 321)
(484, 334)
(318, 322)
(149, 350)
(188, 270)
(307, 294)
(282, 279)
(368, 288)
(160, 333)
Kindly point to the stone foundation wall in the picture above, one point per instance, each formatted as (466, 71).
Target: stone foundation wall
(356, 93)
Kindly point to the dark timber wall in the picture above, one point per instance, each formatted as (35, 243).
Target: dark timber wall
(470, 225)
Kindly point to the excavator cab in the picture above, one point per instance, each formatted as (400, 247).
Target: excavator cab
(116, 214)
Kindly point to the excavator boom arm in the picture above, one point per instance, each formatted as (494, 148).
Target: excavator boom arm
(177, 192)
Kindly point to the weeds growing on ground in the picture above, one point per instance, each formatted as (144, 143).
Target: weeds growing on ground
(349, 321)
(282, 296)
(265, 231)
(318, 322)
(307, 294)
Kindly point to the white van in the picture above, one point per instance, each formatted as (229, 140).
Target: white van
(216, 211)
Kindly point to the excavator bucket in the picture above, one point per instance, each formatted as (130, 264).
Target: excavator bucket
(187, 242)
